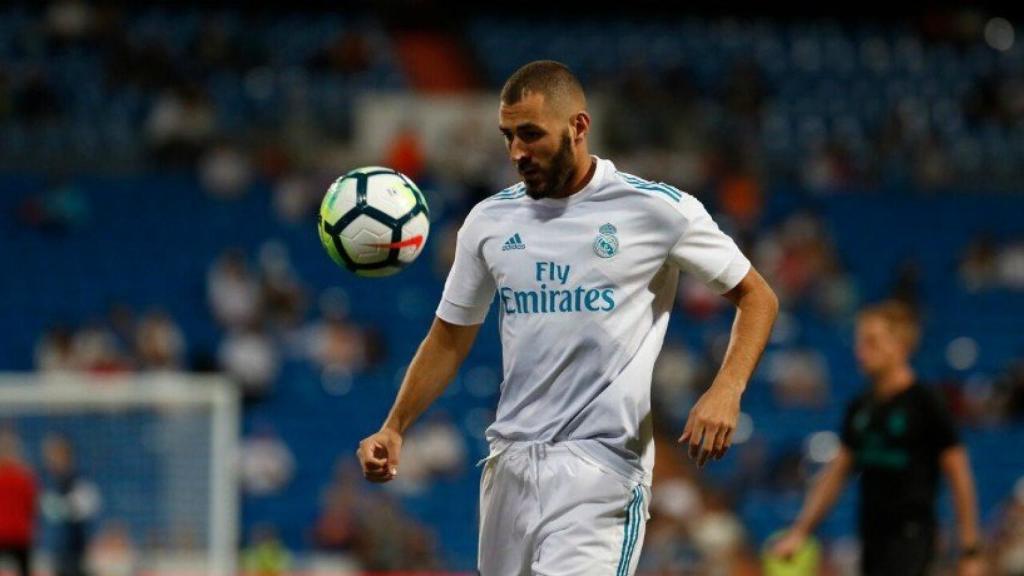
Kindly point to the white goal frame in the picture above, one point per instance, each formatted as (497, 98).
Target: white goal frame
(35, 393)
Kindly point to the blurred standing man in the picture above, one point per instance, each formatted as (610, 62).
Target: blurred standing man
(585, 260)
(71, 506)
(17, 504)
(899, 436)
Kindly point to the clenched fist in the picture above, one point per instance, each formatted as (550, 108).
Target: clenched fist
(378, 455)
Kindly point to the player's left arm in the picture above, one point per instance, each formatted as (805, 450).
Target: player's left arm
(956, 465)
(712, 420)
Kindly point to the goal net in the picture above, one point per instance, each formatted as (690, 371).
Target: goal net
(154, 458)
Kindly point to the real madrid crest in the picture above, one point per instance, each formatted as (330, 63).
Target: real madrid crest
(606, 244)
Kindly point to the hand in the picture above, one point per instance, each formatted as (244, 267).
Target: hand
(973, 566)
(378, 455)
(788, 545)
(711, 423)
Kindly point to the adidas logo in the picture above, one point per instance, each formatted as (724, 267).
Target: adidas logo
(514, 243)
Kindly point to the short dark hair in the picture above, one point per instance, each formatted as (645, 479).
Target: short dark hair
(902, 320)
(552, 79)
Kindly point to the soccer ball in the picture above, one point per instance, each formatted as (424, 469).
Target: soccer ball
(373, 221)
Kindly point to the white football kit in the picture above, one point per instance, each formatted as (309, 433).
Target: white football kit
(585, 285)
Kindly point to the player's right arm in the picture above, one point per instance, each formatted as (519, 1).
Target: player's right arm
(468, 293)
(819, 501)
(433, 367)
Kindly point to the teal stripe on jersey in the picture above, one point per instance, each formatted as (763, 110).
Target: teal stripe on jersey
(665, 189)
(511, 191)
(510, 196)
(630, 533)
(647, 185)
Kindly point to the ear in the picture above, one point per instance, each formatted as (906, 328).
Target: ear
(580, 124)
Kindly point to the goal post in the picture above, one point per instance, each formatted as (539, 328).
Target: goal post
(160, 450)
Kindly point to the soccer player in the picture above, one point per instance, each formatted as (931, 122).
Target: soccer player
(72, 505)
(899, 436)
(18, 504)
(585, 261)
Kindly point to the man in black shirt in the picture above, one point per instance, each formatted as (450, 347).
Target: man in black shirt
(899, 436)
(71, 505)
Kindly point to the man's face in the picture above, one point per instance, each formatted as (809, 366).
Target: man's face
(878, 348)
(56, 455)
(539, 144)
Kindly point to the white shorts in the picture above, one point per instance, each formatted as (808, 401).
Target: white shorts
(549, 509)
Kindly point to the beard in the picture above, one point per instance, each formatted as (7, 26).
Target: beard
(545, 183)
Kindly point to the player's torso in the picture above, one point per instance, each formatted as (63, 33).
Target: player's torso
(889, 437)
(583, 258)
(892, 447)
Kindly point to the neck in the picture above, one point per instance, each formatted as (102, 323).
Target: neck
(893, 381)
(582, 173)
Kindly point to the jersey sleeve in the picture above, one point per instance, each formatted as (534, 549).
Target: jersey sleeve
(470, 287)
(942, 429)
(706, 252)
(846, 433)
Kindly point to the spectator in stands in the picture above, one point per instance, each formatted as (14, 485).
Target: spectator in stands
(296, 198)
(1008, 544)
(680, 376)
(978, 265)
(225, 171)
(720, 537)
(18, 493)
(799, 378)
(267, 464)
(335, 343)
(827, 167)
(181, 124)
(71, 503)
(55, 351)
(121, 320)
(95, 350)
(250, 357)
(338, 528)
(69, 21)
(801, 262)
(233, 291)
(988, 264)
(1011, 266)
(405, 153)
(281, 292)
(669, 546)
(435, 448)
(266, 554)
(159, 343)
(393, 541)
(741, 198)
(112, 552)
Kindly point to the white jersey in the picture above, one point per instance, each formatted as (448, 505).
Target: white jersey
(585, 286)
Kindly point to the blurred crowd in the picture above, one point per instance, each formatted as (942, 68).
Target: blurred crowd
(261, 312)
(932, 104)
(722, 143)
